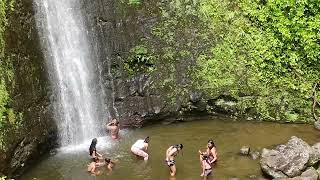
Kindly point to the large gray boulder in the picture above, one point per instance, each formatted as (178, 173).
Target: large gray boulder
(309, 174)
(314, 154)
(287, 160)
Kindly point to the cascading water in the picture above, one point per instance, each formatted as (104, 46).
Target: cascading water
(72, 69)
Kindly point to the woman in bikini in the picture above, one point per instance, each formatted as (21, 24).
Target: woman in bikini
(171, 153)
(206, 166)
(211, 151)
(93, 151)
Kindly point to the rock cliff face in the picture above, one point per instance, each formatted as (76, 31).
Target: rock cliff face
(29, 92)
(115, 28)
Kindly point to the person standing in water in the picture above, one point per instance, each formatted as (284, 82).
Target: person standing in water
(211, 152)
(113, 128)
(140, 147)
(92, 149)
(206, 166)
(171, 153)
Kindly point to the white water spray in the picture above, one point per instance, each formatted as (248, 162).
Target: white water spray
(77, 96)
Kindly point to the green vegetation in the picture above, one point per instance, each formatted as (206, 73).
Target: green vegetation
(5, 178)
(140, 61)
(8, 118)
(264, 54)
(268, 50)
(134, 2)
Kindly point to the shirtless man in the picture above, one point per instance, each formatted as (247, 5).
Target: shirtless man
(140, 148)
(211, 152)
(113, 128)
(171, 153)
(206, 166)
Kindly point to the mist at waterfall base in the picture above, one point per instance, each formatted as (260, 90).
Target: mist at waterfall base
(229, 137)
(73, 71)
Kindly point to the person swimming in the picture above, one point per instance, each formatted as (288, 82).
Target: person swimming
(113, 128)
(140, 147)
(205, 165)
(92, 167)
(109, 164)
(171, 153)
(92, 149)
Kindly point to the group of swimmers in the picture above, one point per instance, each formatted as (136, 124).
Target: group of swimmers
(140, 148)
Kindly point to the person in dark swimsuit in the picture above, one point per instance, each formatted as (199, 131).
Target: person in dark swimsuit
(206, 166)
(92, 149)
(171, 153)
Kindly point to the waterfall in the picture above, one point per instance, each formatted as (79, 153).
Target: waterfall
(73, 70)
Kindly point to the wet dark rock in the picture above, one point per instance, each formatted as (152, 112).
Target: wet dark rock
(287, 160)
(195, 97)
(245, 150)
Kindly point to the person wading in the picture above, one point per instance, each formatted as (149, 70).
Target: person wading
(140, 148)
(113, 128)
(171, 153)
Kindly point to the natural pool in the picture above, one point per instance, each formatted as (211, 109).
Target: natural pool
(229, 136)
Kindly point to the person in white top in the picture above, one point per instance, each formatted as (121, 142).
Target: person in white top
(140, 147)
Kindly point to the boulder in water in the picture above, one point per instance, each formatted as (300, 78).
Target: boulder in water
(245, 150)
(314, 154)
(287, 160)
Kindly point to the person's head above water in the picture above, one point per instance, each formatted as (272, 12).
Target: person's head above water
(107, 160)
(211, 143)
(115, 122)
(178, 146)
(147, 139)
(204, 156)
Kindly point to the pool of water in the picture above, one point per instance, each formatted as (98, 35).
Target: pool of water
(70, 163)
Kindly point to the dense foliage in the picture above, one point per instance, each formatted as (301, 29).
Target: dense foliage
(7, 115)
(264, 54)
(269, 52)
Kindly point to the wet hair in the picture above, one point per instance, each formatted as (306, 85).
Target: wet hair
(147, 139)
(107, 160)
(204, 156)
(116, 122)
(93, 146)
(210, 141)
(180, 146)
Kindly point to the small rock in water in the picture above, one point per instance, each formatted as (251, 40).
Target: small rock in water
(317, 125)
(233, 178)
(245, 150)
(254, 155)
(253, 177)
